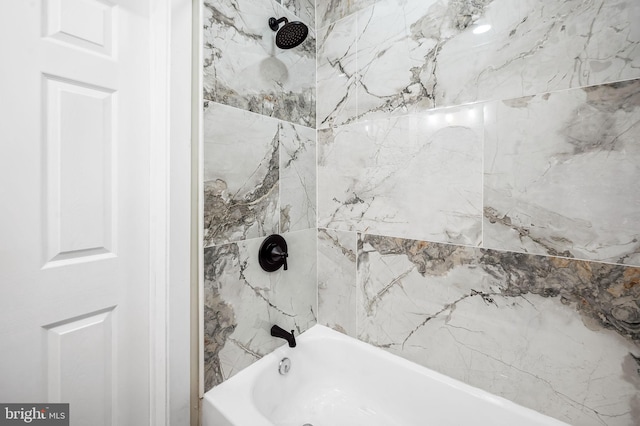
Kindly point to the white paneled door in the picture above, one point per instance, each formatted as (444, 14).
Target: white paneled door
(74, 213)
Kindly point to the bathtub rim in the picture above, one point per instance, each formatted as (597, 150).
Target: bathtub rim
(241, 384)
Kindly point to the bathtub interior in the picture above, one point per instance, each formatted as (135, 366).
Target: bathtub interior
(335, 379)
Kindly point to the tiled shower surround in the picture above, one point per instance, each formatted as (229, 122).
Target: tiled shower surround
(242, 302)
(478, 206)
(397, 57)
(555, 334)
(259, 179)
(462, 174)
(243, 67)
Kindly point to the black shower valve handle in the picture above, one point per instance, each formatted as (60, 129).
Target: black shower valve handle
(278, 254)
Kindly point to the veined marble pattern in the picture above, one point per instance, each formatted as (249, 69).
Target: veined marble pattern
(562, 172)
(337, 73)
(396, 67)
(259, 178)
(414, 55)
(337, 280)
(415, 176)
(557, 335)
(297, 177)
(304, 9)
(242, 302)
(329, 11)
(244, 68)
(241, 174)
(535, 47)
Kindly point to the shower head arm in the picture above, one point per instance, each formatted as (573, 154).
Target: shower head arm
(274, 23)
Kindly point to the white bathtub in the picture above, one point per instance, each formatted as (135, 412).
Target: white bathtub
(336, 380)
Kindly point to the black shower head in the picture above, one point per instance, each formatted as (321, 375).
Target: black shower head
(291, 34)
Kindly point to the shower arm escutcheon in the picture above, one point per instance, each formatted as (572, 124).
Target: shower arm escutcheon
(273, 253)
(274, 23)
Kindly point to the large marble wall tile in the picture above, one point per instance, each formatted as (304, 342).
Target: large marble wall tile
(242, 302)
(417, 54)
(557, 335)
(396, 66)
(241, 173)
(243, 67)
(337, 73)
(329, 11)
(418, 176)
(305, 10)
(562, 172)
(297, 177)
(535, 47)
(337, 280)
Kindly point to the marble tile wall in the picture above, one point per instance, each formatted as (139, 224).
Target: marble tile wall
(397, 57)
(554, 334)
(337, 252)
(328, 11)
(558, 335)
(414, 176)
(337, 78)
(259, 160)
(297, 177)
(243, 68)
(305, 10)
(485, 158)
(561, 173)
(242, 302)
(259, 175)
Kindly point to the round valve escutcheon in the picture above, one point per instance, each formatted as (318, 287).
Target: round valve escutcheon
(273, 253)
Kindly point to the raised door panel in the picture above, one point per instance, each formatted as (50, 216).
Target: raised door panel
(87, 24)
(81, 363)
(80, 184)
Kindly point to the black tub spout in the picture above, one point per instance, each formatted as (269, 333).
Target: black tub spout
(283, 334)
